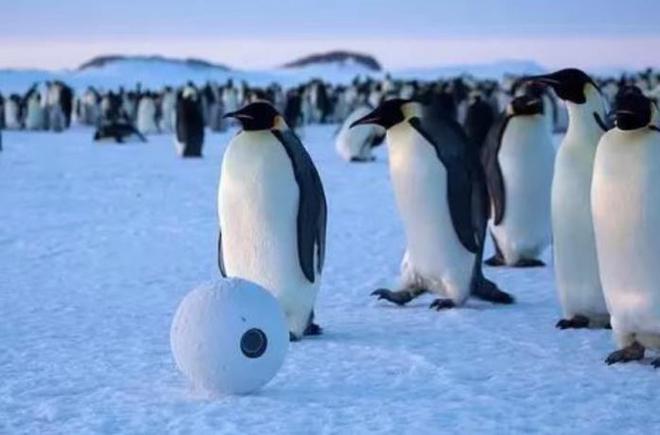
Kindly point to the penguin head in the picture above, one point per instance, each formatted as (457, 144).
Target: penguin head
(525, 105)
(634, 111)
(260, 115)
(569, 84)
(389, 113)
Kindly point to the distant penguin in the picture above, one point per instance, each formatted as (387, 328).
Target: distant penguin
(576, 262)
(168, 110)
(230, 97)
(441, 196)
(57, 119)
(189, 124)
(146, 115)
(355, 144)
(2, 112)
(272, 212)
(625, 198)
(479, 119)
(89, 107)
(12, 111)
(120, 132)
(35, 117)
(518, 160)
(293, 109)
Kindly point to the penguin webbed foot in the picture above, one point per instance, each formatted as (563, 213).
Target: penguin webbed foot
(576, 322)
(313, 330)
(495, 261)
(633, 352)
(487, 291)
(400, 297)
(656, 363)
(293, 338)
(442, 304)
(529, 262)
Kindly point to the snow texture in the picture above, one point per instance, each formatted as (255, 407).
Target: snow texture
(99, 244)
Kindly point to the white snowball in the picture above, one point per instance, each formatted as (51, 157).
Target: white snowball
(229, 337)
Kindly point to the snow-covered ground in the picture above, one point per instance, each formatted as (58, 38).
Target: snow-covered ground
(99, 243)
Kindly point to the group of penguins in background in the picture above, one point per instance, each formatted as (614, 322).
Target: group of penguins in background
(467, 158)
(132, 115)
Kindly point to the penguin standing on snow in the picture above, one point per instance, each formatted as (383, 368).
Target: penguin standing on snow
(13, 112)
(146, 115)
(35, 117)
(441, 195)
(272, 212)
(168, 109)
(576, 262)
(625, 199)
(355, 144)
(518, 160)
(189, 124)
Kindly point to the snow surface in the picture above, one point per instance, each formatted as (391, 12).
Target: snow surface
(99, 244)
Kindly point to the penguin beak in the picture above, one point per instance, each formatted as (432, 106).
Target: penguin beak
(547, 79)
(370, 118)
(237, 115)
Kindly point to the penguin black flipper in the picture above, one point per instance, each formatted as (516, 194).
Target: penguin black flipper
(221, 259)
(452, 147)
(492, 169)
(312, 207)
(605, 126)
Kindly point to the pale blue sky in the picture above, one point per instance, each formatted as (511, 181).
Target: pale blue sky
(257, 33)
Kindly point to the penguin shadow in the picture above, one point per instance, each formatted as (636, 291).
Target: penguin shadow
(424, 303)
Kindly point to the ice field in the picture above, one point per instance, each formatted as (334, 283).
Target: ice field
(99, 243)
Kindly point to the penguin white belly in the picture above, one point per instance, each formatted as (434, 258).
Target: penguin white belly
(355, 142)
(146, 122)
(576, 263)
(258, 207)
(12, 120)
(168, 108)
(35, 116)
(435, 259)
(626, 208)
(526, 158)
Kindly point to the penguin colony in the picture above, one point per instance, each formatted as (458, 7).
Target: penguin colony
(468, 160)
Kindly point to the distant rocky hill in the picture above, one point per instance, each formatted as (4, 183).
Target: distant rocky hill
(101, 61)
(337, 57)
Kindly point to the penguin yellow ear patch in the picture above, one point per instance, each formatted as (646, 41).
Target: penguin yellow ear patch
(279, 123)
(410, 110)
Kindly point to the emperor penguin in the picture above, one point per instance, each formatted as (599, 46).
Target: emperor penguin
(189, 123)
(575, 259)
(441, 195)
(57, 118)
(518, 159)
(273, 213)
(625, 198)
(12, 112)
(168, 110)
(355, 144)
(479, 119)
(146, 115)
(118, 131)
(35, 117)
